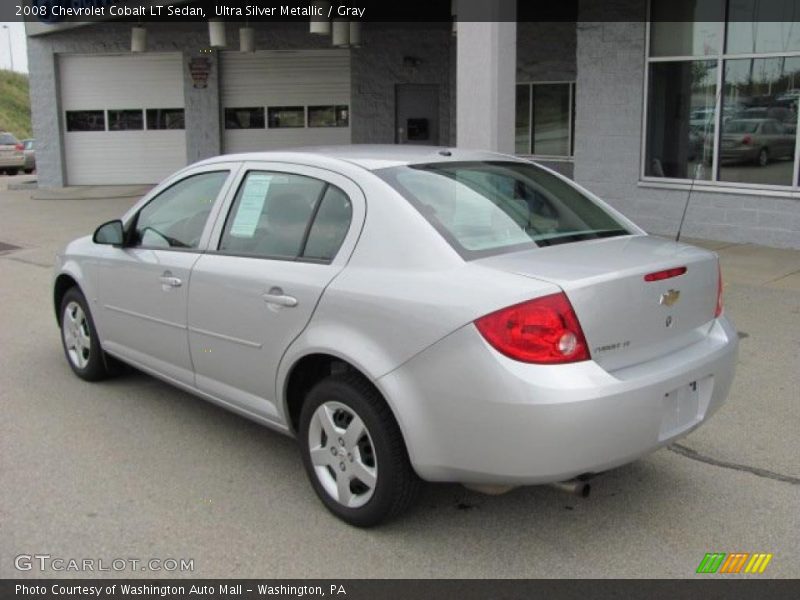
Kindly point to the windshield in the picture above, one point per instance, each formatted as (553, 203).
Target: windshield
(484, 208)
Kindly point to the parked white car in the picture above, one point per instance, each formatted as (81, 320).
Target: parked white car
(407, 313)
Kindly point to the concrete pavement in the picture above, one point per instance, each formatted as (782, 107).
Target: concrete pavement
(134, 468)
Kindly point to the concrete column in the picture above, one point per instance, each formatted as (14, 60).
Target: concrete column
(486, 74)
(202, 112)
(46, 113)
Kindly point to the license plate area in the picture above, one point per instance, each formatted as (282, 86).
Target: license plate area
(684, 407)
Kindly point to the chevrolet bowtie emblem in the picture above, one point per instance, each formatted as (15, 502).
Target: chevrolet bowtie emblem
(669, 298)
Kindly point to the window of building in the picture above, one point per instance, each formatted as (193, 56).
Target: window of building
(723, 84)
(165, 118)
(280, 117)
(545, 121)
(244, 118)
(125, 120)
(86, 120)
(329, 116)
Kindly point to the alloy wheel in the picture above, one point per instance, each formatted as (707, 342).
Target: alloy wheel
(77, 338)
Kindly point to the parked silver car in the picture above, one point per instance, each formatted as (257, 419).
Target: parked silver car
(12, 158)
(30, 155)
(756, 140)
(407, 313)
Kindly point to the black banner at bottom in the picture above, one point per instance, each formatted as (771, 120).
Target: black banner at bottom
(394, 589)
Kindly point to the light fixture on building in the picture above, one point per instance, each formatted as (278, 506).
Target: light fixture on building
(340, 33)
(247, 39)
(138, 39)
(355, 34)
(216, 34)
(319, 24)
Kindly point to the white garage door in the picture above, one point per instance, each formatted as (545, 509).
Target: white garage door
(123, 117)
(280, 99)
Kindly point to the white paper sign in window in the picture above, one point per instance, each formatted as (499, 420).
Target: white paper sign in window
(256, 188)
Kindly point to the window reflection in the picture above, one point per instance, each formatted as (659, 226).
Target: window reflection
(685, 27)
(680, 124)
(759, 120)
(763, 26)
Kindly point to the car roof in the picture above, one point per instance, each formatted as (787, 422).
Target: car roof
(369, 156)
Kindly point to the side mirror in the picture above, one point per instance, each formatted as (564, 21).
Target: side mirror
(110, 233)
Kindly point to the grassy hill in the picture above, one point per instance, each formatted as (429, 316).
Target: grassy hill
(15, 104)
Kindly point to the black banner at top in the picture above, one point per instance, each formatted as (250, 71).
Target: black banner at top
(142, 11)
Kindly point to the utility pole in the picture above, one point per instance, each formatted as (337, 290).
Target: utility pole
(10, 50)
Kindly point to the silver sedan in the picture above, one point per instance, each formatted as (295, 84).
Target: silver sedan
(407, 314)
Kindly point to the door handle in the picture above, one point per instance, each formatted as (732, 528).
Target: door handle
(168, 280)
(276, 296)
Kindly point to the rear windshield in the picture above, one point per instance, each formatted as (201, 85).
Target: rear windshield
(486, 208)
(7, 138)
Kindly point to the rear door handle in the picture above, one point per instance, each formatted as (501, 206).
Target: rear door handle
(276, 296)
(168, 280)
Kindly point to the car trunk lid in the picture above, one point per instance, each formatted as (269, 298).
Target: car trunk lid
(626, 319)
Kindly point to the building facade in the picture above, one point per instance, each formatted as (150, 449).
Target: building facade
(642, 110)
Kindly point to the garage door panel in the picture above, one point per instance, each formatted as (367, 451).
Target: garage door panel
(111, 82)
(123, 157)
(304, 78)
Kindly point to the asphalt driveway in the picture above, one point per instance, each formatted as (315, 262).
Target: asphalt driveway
(132, 468)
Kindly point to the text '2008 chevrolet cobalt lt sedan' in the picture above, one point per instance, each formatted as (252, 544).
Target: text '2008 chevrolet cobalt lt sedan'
(408, 314)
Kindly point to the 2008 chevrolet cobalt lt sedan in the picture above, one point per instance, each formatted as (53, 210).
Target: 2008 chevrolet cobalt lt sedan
(408, 314)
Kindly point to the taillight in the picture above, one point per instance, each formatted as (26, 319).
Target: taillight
(746, 140)
(718, 310)
(19, 147)
(545, 331)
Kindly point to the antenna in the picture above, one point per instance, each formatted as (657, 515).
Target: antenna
(699, 167)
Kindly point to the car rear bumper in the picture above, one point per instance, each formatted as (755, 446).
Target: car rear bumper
(12, 162)
(472, 415)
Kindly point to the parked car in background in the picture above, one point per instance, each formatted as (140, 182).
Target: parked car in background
(406, 313)
(12, 156)
(30, 155)
(756, 140)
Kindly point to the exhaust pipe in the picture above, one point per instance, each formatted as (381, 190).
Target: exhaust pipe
(576, 487)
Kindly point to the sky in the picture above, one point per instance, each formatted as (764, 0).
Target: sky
(19, 48)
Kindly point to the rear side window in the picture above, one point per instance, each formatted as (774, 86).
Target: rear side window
(486, 208)
(286, 216)
(7, 139)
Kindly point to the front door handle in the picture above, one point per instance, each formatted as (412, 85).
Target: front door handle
(276, 296)
(168, 280)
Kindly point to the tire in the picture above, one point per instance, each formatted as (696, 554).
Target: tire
(79, 338)
(12, 171)
(28, 171)
(762, 159)
(389, 484)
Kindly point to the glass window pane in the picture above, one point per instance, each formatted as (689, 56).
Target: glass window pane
(523, 120)
(756, 26)
(685, 27)
(286, 116)
(551, 120)
(328, 116)
(244, 118)
(759, 120)
(330, 225)
(177, 216)
(165, 118)
(86, 120)
(124, 120)
(269, 217)
(680, 119)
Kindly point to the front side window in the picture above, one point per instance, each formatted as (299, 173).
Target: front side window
(484, 208)
(286, 216)
(544, 119)
(177, 216)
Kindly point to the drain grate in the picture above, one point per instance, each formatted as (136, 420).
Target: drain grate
(4, 247)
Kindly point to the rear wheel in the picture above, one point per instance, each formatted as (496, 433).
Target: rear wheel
(79, 338)
(12, 171)
(354, 453)
(763, 157)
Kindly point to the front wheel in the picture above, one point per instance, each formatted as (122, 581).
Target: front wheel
(763, 157)
(354, 453)
(79, 338)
